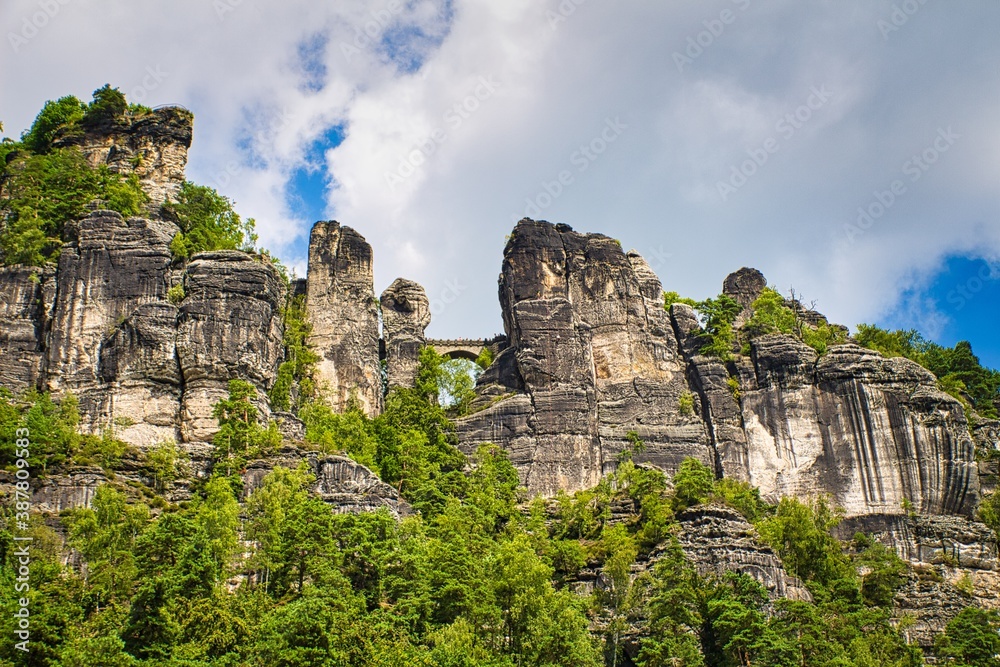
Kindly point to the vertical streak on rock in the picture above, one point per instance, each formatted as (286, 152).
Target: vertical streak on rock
(341, 304)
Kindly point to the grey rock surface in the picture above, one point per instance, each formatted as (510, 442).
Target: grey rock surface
(718, 539)
(406, 313)
(229, 326)
(152, 146)
(875, 434)
(343, 310)
(347, 486)
(597, 358)
(22, 321)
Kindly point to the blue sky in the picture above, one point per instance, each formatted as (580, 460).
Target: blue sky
(846, 149)
(966, 295)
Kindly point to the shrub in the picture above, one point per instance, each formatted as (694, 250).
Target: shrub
(719, 315)
(41, 193)
(685, 403)
(693, 483)
(108, 105)
(54, 116)
(208, 221)
(670, 298)
(734, 387)
(176, 294)
(241, 435)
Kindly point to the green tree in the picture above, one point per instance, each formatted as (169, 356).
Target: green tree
(693, 484)
(241, 436)
(105, 536)
(40, 193)
(800, 534)
(56, 115)
(208, 221)
(971, 639)
(294, 531)
(719, 315)
(108, 105)
(296, 371)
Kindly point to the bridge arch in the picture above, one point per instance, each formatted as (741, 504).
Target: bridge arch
(458, 348)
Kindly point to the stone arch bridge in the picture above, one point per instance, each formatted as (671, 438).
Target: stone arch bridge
(466, 348)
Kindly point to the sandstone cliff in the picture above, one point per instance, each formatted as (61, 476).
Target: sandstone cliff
(342, 307)
(592, 358)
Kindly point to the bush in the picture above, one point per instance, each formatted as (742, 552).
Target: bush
(771, 315)
(55, 115)
(41, 193)
(719, 315)
(176, 294)
(208, 222)
(958, 369)
(296, 371)
(241, 435)
(108, 105)
(693, 484)
(685, 403)
(971, 639)
(670, 298)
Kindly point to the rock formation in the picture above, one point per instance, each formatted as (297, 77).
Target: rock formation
(406, 312)
(340, 300)
(154, 146)
(592, 359)
(229, 326)
(345, 485)
(875, 434)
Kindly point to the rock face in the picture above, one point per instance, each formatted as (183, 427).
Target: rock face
(347, 486)
(22, 319)
(873, 433)
(229, 326)
(592, 359)
(96, 296)
(744, 286)
(717, 539)
(340, 299)
(406, 312)
(953, 564)
(154, 146)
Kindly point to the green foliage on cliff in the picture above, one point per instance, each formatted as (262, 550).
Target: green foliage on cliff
(295, 374)
(771, 314)
(208, 221)
(242, 435)
(43, 188)
(55, 436)
(958, 369)
(972, 639)
(40, 193)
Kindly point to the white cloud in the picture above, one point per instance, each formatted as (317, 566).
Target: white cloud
(551, 88)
